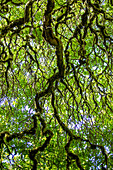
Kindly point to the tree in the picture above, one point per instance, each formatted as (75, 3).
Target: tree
(56, 81)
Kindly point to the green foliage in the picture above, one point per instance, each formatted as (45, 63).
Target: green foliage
(56, 84)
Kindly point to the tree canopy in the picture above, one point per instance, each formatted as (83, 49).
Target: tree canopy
(56, 84)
